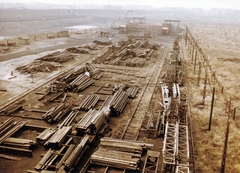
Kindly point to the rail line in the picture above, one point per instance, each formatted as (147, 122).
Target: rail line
(190, 129)
(131, 131)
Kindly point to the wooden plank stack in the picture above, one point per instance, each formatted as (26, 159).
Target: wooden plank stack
(58, 137)
(123, 154)
(9, 127)
(80, 83)
(91, 122)
(56, 113)
(118, 103)
(89, 102)
(44, 136)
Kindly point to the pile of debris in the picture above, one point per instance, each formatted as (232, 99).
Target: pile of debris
(78, 50)
(37, 66)
(103, 41)
(57, 57)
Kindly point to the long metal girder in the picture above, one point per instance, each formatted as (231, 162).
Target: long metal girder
(170, 143)
(182, 169)
(183, 146)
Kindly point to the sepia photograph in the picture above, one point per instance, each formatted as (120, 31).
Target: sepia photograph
(109, 86)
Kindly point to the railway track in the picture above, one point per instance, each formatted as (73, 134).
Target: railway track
(132, 129)
(190, 128)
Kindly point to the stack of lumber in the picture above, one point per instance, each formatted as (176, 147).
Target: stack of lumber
(96, 74)
(80, 83)
(118, 103)
(132, 92)
(37, 66)
(135, 62)
(58, 137)
(51, 157)
(89, 102)
(76, 154)
(91, 122)
(56, 113)
(19, 143)
(57, 57)
(123, 154)
(44, 136)
(12, 108)
(77, 50)
(9, 127)
(69, 119)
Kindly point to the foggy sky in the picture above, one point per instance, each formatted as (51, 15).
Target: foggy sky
(206, 4)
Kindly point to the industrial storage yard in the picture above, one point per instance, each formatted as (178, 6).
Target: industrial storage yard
(125, 94)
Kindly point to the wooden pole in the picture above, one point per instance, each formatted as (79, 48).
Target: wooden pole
(211, 111)
(195, 61)
(234, 113)
(192, 53)
(205, 86)
(199, 73)
(223, 164)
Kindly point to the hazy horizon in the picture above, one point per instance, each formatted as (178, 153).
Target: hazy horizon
(205, 4)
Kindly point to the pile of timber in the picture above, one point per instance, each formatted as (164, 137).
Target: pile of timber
(80, 83)
(51, 157)
(75, 154)
(56, 113)
(96, 74)
(69, 119)
(90, 46)
(69, 77)
(135, 62)
(58, 137)
(10, 109)
(104, 41)
(37, 66)
(77, 50)
(132, 92)
(115, 61)
(89, 102)
(123, 154)
(118, 102)
(91, 122)
(53, 98)
(44, 136)
(19, 143)
(57, 57)
(9, 127)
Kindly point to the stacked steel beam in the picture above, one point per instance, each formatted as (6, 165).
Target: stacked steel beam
(118, 103)
(96, 74)
(12, 108)
(69, 119)
(50, 158)
(89, 102)
(76, 154)
(44, 136)
(58, 137)
(132, 92)
(56, 113)
(80, 83)
(121, 154)
(91, 122)
(19, 143)
(9, 127)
